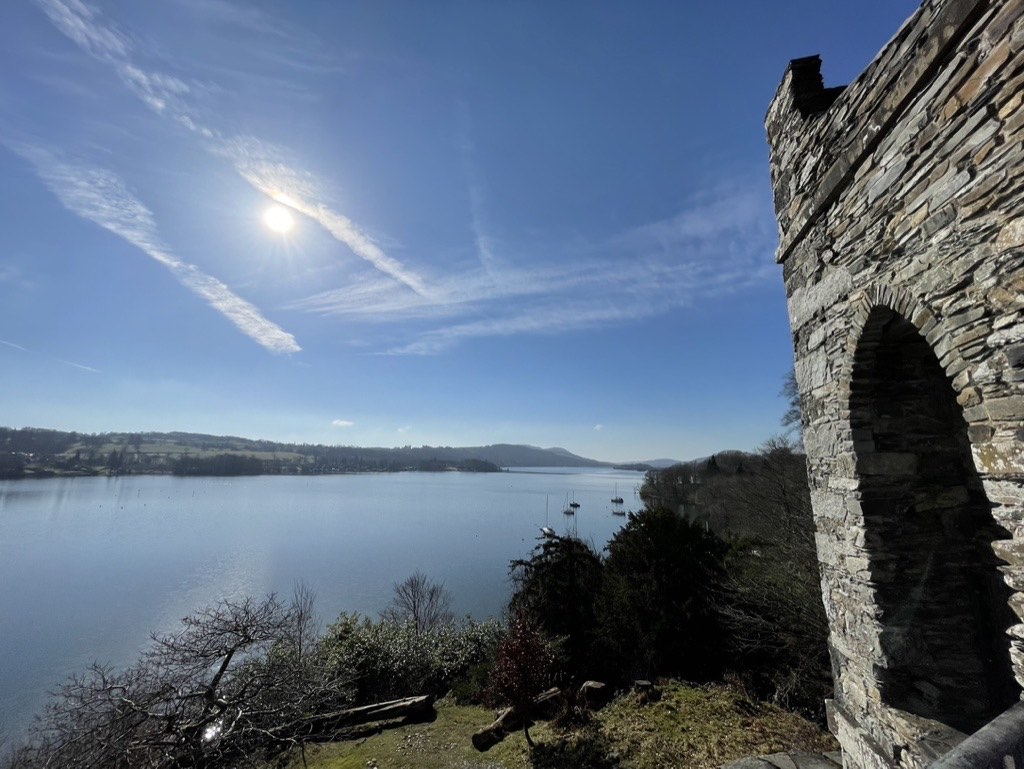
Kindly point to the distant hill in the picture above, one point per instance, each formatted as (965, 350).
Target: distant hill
(646, 465)
(35, 451)
(514, 455)
(661, 463)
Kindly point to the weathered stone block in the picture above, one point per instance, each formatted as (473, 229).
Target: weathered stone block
(887, 463)
(999, 458)
(1011, 235)
(1010, 407)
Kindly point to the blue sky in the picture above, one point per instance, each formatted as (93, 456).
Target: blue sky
(527, 222)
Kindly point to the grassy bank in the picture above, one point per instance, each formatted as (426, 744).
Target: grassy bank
(697, 727)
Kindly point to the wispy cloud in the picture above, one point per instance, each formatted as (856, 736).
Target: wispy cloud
(598, 428)
(288, 46)
(262, 167)
(98, 37)
(100, 196)
(719, 244)
(342, 423)
(79, 366)
(257, 162)
(715, 244)
(370, 298)
(81, 22)
(485, 244)
(242, 16)
(544, 320)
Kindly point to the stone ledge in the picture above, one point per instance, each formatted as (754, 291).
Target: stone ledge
(797, 760)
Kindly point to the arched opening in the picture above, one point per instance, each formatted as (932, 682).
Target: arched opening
(942, 603)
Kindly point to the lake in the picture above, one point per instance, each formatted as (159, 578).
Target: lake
(89, 567)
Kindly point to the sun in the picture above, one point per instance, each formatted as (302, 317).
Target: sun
(279, 219)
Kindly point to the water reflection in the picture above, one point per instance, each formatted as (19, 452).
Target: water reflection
(90, 566)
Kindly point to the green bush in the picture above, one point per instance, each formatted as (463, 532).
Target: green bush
(657, 607)
(557, 588)
(388, 660)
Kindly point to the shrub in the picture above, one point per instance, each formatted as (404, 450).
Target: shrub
(523, 667)
(390, 659)
(557, 588)
(657, 607)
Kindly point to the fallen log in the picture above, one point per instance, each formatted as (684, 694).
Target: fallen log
(410, 708)
(545, 706)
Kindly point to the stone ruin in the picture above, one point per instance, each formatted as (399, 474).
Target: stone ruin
(900, 203)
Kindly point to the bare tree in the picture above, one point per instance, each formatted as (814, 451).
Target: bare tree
(421, 601)
(776, 620)
(306, 623)
(229, 689)
(792, 419)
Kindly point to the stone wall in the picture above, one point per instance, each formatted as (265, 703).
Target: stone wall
(900, 202)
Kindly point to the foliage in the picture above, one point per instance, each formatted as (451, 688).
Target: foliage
(777, 628)
(233, 685)
(682, 488)
(672, 597)
(423, 603)
(220, 464)
(557, 588)
(523, 667)
(11, 466)
(389, 659)
(657, 608)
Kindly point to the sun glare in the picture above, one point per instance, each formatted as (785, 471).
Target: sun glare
(279, 219)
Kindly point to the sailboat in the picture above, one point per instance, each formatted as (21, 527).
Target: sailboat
(546, 531)
(570, 509)
(574, 504)
(617, 500)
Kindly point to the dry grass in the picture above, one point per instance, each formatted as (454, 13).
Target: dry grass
(694, 727)
(703, 727)
(440, 744)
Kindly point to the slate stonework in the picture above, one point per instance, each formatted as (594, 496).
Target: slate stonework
(900, 203)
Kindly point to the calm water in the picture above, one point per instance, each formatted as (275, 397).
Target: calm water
(90, 566)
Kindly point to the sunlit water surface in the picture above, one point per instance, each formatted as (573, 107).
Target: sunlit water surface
(90, 566)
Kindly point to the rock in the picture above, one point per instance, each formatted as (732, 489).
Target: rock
(593, 695)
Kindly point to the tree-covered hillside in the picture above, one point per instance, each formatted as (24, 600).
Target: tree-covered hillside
(35, 452)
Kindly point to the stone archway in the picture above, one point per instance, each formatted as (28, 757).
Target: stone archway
(942, 604)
